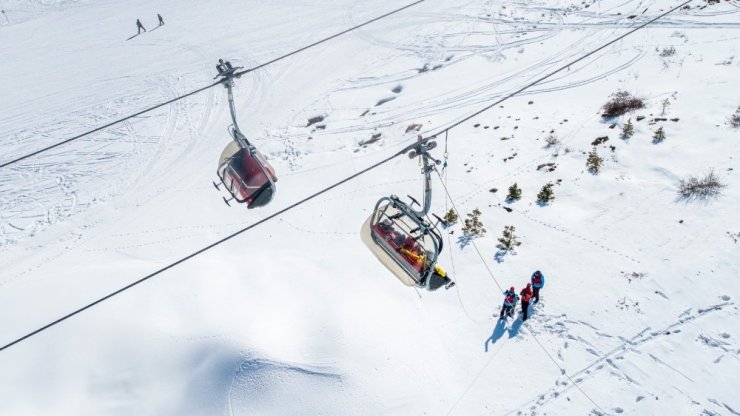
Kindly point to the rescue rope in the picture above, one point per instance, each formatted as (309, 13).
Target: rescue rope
(490, 273)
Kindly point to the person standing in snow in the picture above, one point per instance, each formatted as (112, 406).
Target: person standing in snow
(538, 282)
(510, 300)
(139, 26)
(161, 21)
(526, 295)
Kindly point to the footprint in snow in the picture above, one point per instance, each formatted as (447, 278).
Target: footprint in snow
(384, 100)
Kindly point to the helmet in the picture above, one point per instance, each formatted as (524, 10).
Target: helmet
(537, 273)
(512, 288)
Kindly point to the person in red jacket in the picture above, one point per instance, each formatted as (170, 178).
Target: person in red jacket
(526, 295)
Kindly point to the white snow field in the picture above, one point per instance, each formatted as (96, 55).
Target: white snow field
(296, 316)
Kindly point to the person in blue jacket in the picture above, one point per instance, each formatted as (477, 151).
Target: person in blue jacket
(538, 282)
(510, 300)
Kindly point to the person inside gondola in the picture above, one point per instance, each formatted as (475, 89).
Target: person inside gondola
(414, 258)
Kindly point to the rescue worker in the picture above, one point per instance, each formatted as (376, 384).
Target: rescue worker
(526, 295)
(414, 258)
(510, 300)
(538, 282)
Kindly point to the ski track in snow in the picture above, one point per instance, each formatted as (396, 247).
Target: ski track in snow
(604, 360)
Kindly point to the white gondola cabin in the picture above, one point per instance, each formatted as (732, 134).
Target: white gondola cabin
(403, 240)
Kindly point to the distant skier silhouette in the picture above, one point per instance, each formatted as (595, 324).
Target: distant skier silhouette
(139, 26)
(161, 21)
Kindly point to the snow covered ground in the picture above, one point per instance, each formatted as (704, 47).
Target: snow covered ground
(296, 316)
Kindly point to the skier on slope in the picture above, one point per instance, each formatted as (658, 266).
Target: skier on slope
(510, 300)
(161, 21)
(538, 282)
(139, 26)
(526, 294)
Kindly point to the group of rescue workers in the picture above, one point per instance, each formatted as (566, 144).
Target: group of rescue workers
(531, 291)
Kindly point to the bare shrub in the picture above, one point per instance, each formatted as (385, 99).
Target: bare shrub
(704, 187)
(621, 102)
(667, 52)
(551, 141)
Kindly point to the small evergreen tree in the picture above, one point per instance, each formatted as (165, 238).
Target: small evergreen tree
(593, 162)
(473, 227)
(508, 241)
(546, 195)
(659, 135)
(450, 217)
(515, 193)
(628, 129)
(735, 119)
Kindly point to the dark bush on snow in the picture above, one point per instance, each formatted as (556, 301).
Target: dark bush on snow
(734, 120)
(621, 102)
(700, 188)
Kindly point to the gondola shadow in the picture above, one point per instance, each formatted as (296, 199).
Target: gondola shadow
(498, 332)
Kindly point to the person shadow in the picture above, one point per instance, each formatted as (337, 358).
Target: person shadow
(134, 36)
(515, 326)
(500, 329)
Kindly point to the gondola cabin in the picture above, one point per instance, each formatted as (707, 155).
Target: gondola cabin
(248, 177)
(404, 243)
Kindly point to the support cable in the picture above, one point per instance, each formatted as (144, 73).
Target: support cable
(388, 159)
(201, 251)
(289, 54)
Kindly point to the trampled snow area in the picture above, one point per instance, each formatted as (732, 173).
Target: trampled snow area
(296, 317)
